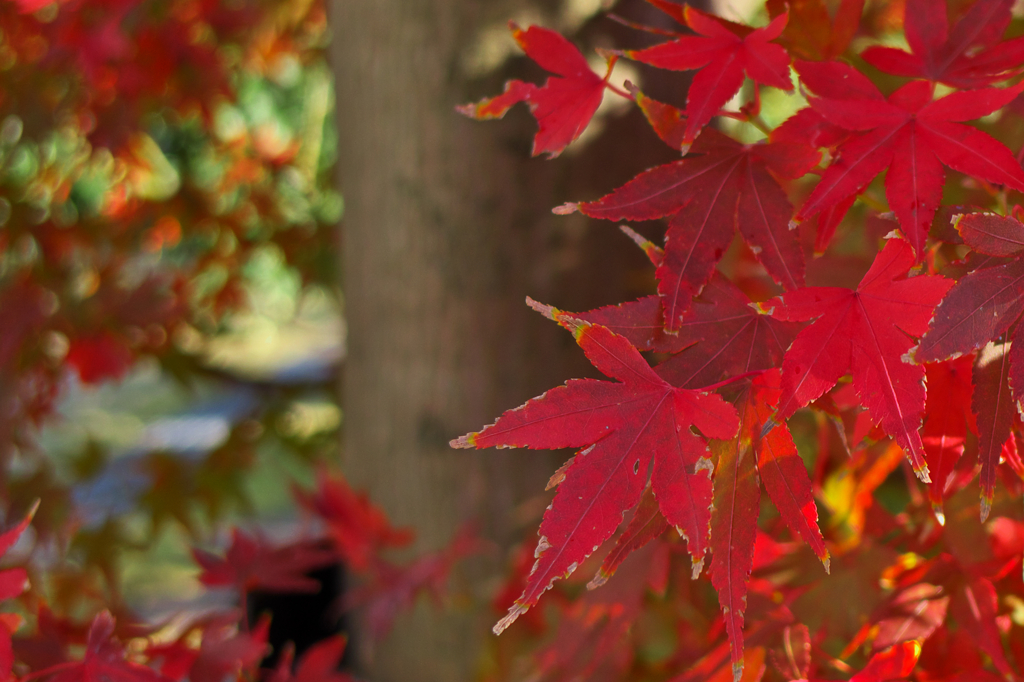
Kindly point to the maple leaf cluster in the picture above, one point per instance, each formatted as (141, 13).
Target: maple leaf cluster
(876, 336)
(211, 646)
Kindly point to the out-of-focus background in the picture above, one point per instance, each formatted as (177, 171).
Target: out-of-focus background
(171, 331)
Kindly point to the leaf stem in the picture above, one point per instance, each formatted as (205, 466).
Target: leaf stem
(51, 670)
(730, 380)
(619, 91)
(762, 125)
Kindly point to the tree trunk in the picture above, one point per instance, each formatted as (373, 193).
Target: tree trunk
(447, 228)
(433, 241)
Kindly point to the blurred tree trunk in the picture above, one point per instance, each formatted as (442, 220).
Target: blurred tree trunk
(436, 232)
(447, 227)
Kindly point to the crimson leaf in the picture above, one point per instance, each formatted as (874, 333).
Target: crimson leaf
(968, 56)
(564, 105)
(724, 52)
(864, 332)
(624, 428)
(913, 137)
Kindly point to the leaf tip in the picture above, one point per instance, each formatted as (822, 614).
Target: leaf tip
(599, 579)
(655, 253)
(463, 442)
(921, 471)
(940, 515)
(567, 208)
(513, 613)
(986, 506)
(698, 566)
(825, 560)
(737, 670)
(637, 238)
(548, 311)
(610, 57)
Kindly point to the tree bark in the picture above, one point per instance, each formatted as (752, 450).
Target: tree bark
(432, 200)
(447, 228)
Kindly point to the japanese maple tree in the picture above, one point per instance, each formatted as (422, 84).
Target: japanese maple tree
(834, 316)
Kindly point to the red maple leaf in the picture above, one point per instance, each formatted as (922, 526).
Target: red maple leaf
(564, 105)
(14, 580)
(780, 467)
(225, 651)
(913, 137)
(99, 357)
(647, 523)
(835, 80)
(971, 55)
(996, 414)
(794, 658)
(946, 423)
(593, 638)
(668, 122)
(516, 576)
(773, 458)
(12, 583)
(319, 663)
(250, 564)
(357, 527)
(724, 52)
(982, 307)
(391, 589)
(728, 336)
(49, 645)
(913, 611)
(864, 332)
(984, 303)
(838, 81)
(222, 650)
(722, 186)
(104, 660)
(722, 335)
(622, 427)
(890, 665)
(975, 606)
(811, 33)
(733, 526)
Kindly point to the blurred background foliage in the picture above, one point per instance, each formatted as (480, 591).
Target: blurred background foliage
(171, 319)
